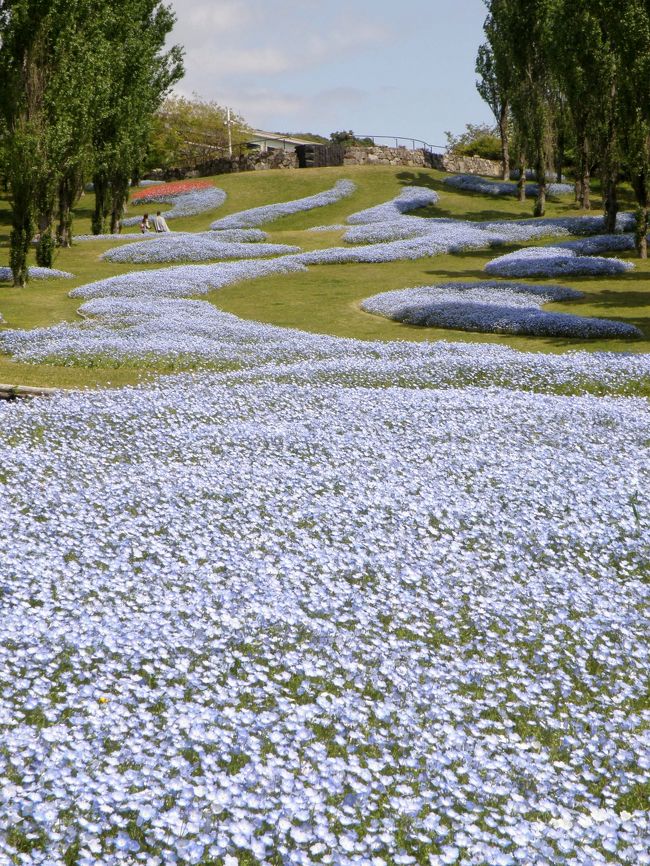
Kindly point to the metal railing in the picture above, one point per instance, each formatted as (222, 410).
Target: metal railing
(415, 143)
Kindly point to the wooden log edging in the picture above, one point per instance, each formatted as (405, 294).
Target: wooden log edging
(25, 392)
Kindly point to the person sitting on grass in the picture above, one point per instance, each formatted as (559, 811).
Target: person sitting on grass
(160, 223)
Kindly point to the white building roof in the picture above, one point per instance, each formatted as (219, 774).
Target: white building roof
(260, 135)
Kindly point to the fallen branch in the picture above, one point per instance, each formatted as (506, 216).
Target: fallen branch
(24, 392)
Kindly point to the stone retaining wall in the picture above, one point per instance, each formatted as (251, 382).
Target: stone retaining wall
(376, 155)
(421, 159)
(253, 161)
(387, 156)
(465, 164)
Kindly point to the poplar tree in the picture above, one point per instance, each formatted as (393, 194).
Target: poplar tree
(79, 81)
(73, 32)
(632, 35)
(23, 84)
(138, 76)
(516, 32)
(586, 66)
(495, 86)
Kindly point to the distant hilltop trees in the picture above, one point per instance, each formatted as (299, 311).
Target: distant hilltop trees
(188, 133)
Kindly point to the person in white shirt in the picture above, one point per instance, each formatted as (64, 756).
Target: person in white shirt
(159, 223)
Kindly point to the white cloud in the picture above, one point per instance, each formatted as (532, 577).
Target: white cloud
(337, 96)
(276, 111)
(262, 107)
(346, 37)
(233, 62)
(262, 38)
(215, 19)
(369, 65)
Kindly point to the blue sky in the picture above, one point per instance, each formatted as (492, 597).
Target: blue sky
(379, 67)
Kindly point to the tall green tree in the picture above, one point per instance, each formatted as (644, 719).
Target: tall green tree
(80, 86)
(23, 85)
(79, 82)
(495, 85)
(73, 32)
(585, 64)
(139, 75)
(632, 39)
(517, 33)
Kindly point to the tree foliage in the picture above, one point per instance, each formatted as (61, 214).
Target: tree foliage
(578, 72)
(79, 81)
(495, 86)
(631, 33)
(188, 133)
(477, 139)
(347, 138)
(138, 76)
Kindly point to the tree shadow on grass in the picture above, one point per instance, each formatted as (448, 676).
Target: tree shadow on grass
(469, 216)
(610, 298)
(5, 226)
(419, 178)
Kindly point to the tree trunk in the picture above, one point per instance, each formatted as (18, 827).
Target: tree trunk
(21, 237)
(585, 189)
(642, 232)
(100, 182)
(521, 183)
(611, 165)
(610, 201)
(22, 227)
(64, 227)
(640, 186)
(559, 163)
(119, 185)
(540, 201)
(45, 244)
(505, 146)
(45, 248)
(69, 188)
(583, 180)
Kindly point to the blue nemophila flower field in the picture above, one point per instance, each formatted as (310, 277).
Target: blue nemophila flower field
(493, 307)
(325, 601)
(389, 222)
(128, 328)
(122, 236)
(486, 186)
(331, 228)
(410, 198)
(185, 280)
(599, 244)
(184, 204)
(198, 247)
(267, 213)
(553, 262)
(312, 623)
(36, 273)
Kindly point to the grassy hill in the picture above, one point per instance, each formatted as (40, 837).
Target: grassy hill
(326, 298)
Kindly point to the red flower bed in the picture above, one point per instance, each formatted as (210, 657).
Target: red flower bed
(171, 189)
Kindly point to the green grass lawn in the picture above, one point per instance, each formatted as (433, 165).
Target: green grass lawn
(326, 298)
